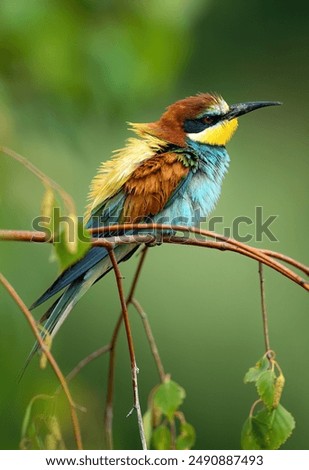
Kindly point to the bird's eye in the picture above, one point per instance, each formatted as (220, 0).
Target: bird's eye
(199, 124)
(207, 120)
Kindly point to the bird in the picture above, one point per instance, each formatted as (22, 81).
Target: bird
(170, 172)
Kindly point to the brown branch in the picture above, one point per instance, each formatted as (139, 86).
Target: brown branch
(226, 244)
(108, 414)
(137, 274)
(264, 311)
(134, 369)
(255, 252)
(76, 428)
(24, 236)
(287, 259)
(46, 180)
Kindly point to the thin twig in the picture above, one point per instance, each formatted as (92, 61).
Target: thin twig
(253, 407)
(250, 253)
(134, 369)
(50, 358)
(287, 259)
(151, 340)
(137, 274)
(84, 362)
(264, 310)
(108, 414)
(67, 199)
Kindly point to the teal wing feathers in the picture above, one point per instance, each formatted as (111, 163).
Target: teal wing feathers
(107, 214)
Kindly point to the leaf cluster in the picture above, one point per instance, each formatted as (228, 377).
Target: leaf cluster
(272, 425)
(165, 426)
(41, 429)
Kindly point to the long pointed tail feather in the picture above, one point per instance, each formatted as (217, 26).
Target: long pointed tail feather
(94, 256)
(56, 313)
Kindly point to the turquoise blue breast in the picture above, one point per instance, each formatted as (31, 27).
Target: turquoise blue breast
(199, 193)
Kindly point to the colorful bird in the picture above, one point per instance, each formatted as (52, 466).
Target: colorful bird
(170, 173)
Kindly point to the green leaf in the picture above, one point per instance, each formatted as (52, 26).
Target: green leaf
(280, 423)
(34, 426)
(252, 435)
(147, 421)
(254, 372)
(186, 438)
(72, 236)
(168, 397)
(268, 429)
(265, 385)
(161, 438)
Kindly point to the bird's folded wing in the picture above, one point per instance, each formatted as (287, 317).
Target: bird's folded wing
(152, 185)
(148, 190)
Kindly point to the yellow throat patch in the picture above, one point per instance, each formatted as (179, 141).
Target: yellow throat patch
(219, 134)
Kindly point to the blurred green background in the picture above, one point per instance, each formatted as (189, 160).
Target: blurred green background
(72, 72)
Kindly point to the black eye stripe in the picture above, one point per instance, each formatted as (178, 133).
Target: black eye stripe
(198, 125)
(194, 126)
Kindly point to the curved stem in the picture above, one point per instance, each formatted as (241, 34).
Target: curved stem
(264, 311)
(50, 358)
(287, 259)
(67, 199)
(108, 414)
(84, 362)
(134, 369)
(150, 337)
(254, 405)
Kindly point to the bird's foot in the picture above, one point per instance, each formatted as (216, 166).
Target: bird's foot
(156, 240)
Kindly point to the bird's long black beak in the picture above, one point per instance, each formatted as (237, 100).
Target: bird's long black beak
(243, 108)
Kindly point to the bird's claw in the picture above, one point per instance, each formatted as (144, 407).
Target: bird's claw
(157, 240)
